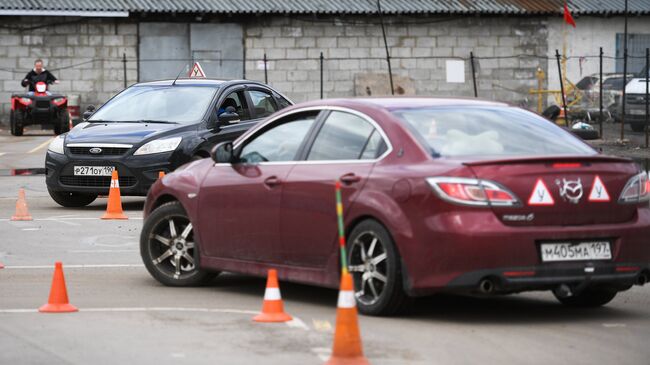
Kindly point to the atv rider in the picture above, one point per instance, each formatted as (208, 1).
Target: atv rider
(38, 74)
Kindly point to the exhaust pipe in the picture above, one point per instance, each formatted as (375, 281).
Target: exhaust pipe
(486, 286)
(642, 279)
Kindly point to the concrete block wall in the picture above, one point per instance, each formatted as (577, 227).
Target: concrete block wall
(419, 52)
(84, 54)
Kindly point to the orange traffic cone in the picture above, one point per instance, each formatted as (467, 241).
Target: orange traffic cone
(272, 308)
(58, 301)
(22, 213)
(114, 207)
(161, 174)
(347, 339)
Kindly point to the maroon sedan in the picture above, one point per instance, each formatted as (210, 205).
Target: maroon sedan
(440, 195)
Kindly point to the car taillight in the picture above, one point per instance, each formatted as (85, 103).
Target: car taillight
(475, 192)
(637, 189)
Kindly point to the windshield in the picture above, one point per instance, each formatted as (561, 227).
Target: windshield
(175, 104)
(499, 131)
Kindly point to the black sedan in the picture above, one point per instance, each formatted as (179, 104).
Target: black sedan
(152, 127)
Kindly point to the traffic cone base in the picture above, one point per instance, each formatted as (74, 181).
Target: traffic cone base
(58, 308)
(22, 212)
(347, 349)
(58, 300)
(114, 206)
(272, 308)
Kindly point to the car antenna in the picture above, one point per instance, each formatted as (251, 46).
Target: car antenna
(179, 74)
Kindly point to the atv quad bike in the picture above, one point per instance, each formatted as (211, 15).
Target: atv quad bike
(39, 107)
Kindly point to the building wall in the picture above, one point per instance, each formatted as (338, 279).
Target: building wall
(584, 41)
(352, 46)
(84, 55)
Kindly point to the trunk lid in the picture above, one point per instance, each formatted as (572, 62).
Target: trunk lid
(565, 190)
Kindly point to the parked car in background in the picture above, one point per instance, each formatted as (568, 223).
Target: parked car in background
(588, 107)
(635, 102)
(439, 195)
(152, 127)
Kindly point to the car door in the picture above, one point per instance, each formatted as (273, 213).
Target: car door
(235, 97)
(240, 202)
(345, 148)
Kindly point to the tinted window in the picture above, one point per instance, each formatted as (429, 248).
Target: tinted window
(263, 103)
(238, 101)
(345, 136)
(165, 103)
(279, 143)
(283, 102)
(586, 83)
(505, 131)
(614, 83)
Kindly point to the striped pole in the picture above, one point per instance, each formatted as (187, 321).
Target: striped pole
(339, 214)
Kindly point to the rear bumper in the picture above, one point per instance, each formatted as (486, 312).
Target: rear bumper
(447, 254)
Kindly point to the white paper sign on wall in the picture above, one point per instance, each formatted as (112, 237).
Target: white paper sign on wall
(455, 71)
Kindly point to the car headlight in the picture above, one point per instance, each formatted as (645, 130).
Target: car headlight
(56, 145)
(158, 146)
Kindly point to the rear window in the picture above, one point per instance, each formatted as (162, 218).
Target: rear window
(502, 131)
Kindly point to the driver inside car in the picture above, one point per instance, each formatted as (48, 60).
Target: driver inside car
(38, 74)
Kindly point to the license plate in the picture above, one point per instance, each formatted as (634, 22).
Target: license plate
(637, 112)
(565, 251)
(93, 170)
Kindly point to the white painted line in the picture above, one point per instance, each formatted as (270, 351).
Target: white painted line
(42, 145)
(144, 309)
(3, 153)
(614, 325)
(100, 251)
(32, 229)
(62, 220)
(90, 266)
(297, 323)
(323, 353)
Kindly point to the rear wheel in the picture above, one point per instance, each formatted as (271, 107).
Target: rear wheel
(638, 127)
(590, 297)
(63, 123)
(16, 122)
(72, 199)
(375, 266)
(168, 248)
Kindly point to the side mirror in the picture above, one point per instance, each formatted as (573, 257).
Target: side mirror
(222, 153)
(229, 116)
(90, 110)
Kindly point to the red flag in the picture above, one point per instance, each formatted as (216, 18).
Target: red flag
(568, 18)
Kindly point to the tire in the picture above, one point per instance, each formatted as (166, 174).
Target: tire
(376, 296)
(71, 199)
(588, 298)
(16, 121)
(174, 262)
(638, 127)
(62, 125)
(586, 134)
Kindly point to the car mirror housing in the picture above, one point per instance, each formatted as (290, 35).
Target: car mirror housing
(229, 116)
(222, 152)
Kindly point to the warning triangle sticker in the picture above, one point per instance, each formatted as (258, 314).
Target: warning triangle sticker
(598, 191)
(197, 71)
(540, 195)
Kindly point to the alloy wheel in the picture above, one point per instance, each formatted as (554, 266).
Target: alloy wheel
(171, 247)
(369, 267)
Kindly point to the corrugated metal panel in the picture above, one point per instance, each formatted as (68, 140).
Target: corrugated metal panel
(596, 7)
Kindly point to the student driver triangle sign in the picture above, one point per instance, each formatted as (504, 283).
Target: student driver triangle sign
(197, 71)
(598, 191)
(540, 195)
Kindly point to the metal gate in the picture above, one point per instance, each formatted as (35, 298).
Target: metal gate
(169, 48)
(636, 45)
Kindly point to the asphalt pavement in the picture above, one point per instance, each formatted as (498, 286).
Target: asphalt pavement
(125, 316)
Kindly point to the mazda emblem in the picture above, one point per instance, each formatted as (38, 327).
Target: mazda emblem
(95, 150)
(570, 190)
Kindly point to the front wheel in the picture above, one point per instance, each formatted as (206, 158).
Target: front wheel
(590, 297)
(168, 248)
(375, 266)
(71, 199)
(16, 122)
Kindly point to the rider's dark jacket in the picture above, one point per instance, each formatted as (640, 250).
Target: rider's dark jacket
(32, 78)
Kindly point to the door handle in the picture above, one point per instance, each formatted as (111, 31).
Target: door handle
(350, 178)
(272, 181)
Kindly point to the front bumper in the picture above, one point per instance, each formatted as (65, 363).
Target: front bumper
(459, 256)
(136, 173)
